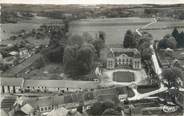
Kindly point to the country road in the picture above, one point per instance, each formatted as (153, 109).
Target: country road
(145, 26)
(158, 71)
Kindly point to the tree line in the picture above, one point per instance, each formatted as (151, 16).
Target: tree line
(173, 40)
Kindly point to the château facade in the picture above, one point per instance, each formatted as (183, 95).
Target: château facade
(123, 58)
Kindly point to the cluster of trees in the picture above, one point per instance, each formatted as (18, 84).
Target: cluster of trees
(160, 12)
(80, 54)
(142, 43)
(150, 11)
(105, 108)
(13, 16)
(168, 41)
(174, 76)
(8, 17)
(179, 38)
(55, 50)
(174, 40)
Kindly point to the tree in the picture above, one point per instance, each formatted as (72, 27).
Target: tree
(175, 33)
(105, 108)
(168, 41)
(99, 43)
(111, 112)
(99, 107)
(78, 57)
(87, 37)
(144, 46)
(129, 41)
(75, 40)
(69, 60)
(56, 37)
(172, 76)
(85, 58)
(180, 40)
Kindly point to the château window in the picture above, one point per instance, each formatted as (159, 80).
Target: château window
(45, 108)
(41, 109)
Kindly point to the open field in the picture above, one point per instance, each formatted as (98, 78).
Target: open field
(115, 28)
(7, 30)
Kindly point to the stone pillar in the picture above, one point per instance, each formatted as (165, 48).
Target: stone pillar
(3, 91)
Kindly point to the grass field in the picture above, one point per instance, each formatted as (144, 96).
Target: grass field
(8, 30)
(115, 28)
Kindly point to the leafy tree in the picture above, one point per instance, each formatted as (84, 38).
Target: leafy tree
(69, 60)
(180, 40)
(105, 108)
(99, 43)
(99, 107)
(111, 112)
(128, 40)
(85, 56)
(87, 37)
(78, 57)
(175, 33)
(75, 40)
(172, 76)
(168, 41)
(56, 37)
(144, 46)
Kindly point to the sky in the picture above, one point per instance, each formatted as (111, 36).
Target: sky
(93, 2)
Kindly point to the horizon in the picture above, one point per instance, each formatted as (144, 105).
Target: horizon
(93, 2)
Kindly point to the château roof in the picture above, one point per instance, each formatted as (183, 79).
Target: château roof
(131, 52)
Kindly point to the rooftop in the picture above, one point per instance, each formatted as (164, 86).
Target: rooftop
(131, 52)
(61, 84)
(11, 81)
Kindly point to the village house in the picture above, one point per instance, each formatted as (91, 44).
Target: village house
(11, 85)
(24, 53)
(14, 85)
(10, 61)
(59, 85)
(123, 58)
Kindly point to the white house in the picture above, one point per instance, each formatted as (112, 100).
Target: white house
(123, 58)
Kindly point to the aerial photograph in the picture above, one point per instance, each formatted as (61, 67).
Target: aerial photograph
(91, 59)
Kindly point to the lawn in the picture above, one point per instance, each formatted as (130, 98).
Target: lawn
(123, 76)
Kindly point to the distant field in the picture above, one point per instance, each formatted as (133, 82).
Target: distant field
(9, 29)
(115, 28)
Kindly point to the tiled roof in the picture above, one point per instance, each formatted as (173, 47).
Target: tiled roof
(131, 52)
(11, 81)
(61, 84)
(124, 50)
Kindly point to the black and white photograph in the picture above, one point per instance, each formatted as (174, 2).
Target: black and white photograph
(92, 58)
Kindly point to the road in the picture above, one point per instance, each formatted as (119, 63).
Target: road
(158, 71)
(145, 26)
